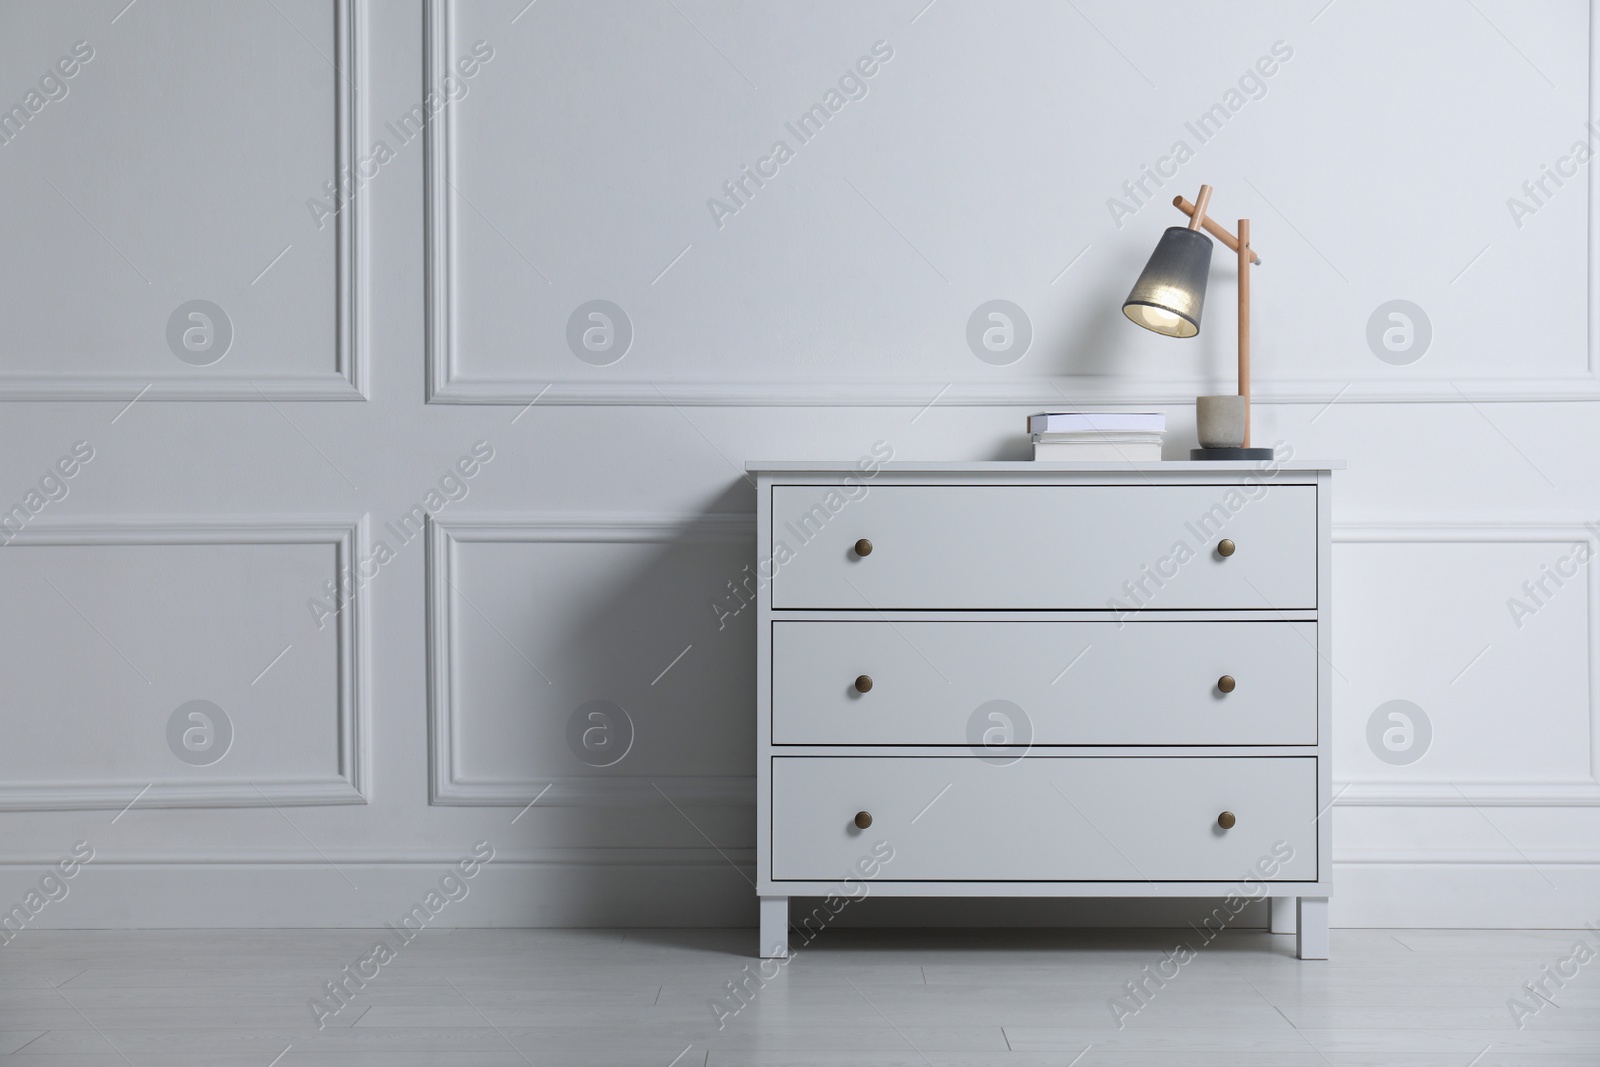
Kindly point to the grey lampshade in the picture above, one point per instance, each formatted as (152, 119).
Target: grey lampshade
(1168, 296)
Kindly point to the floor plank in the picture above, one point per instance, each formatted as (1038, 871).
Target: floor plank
(866, 998)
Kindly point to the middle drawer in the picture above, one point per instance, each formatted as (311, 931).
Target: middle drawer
(1000, 684)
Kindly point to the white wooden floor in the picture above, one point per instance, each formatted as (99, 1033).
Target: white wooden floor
(474, 998)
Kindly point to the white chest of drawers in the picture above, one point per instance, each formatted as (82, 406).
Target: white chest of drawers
(1043, 679)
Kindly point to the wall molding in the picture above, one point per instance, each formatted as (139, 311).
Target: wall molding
(743, 856)
(354, 256)
(1585, 793)
(446, 386)
(1468, 857)
(438, 208)
(401, 855)
(574, 891)
(446, 785)
(1468, 795)
(350, 378)
(620, 791)
(347, 786)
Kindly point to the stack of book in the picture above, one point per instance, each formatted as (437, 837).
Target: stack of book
(1098, 435)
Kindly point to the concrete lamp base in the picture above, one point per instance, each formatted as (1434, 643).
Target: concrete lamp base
(1220, 421)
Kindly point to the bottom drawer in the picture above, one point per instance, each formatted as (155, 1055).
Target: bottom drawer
(1047, 818)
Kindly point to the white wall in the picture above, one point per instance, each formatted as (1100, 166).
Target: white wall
(374, 347)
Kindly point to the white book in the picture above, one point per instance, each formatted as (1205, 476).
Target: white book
(1093, 421)
(1134, 452)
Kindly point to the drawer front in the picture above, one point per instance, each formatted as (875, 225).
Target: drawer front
(1061, 683)
(1097, 819)
(966, 547)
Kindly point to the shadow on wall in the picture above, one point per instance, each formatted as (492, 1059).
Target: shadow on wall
(623, 677)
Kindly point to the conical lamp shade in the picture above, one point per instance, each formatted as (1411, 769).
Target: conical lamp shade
(1168, 296)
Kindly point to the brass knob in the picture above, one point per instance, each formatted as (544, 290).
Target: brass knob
(1225, 547)
(1226, 683)
(864, 819)
(1226, 820)
(864, 547)
(864, 683)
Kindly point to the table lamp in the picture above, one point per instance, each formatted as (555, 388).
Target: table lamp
(1167, 299)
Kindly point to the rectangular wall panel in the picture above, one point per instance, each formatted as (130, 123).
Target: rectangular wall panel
(864, 196)
(1465, 665)
(591, 661)
(176, 236)
(177, 665)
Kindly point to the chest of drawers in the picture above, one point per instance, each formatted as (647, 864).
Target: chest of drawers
(1043, 679)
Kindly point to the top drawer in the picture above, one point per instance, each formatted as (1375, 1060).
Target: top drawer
(1045, 547)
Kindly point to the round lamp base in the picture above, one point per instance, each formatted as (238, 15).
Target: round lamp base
(1230, 453)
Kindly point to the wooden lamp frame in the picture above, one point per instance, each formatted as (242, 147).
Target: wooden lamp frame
(1198, 219)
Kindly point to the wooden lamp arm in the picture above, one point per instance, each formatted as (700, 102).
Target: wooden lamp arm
(1197, 217)
(1229, 240)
